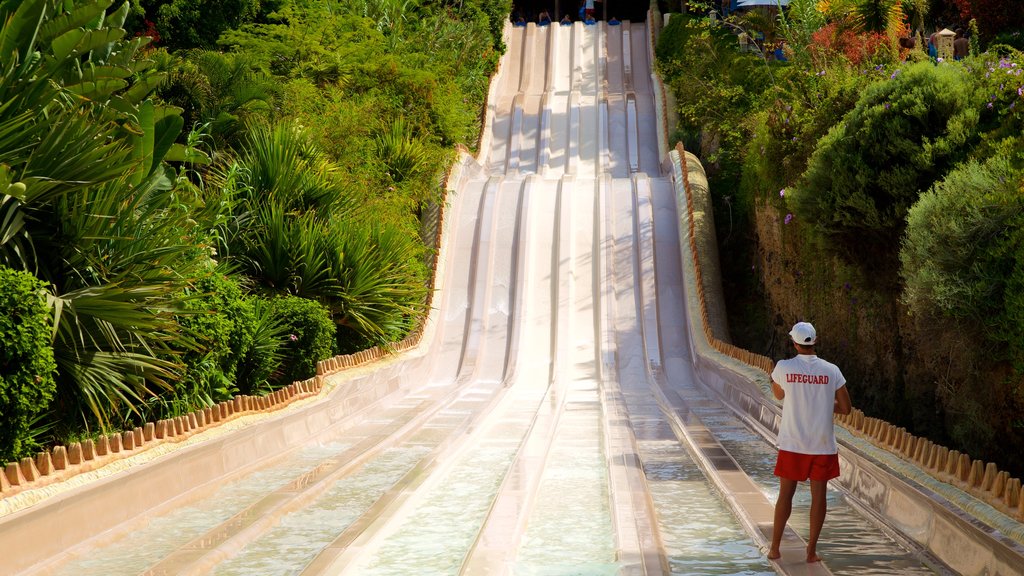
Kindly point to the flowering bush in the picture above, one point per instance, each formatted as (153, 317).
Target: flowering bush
(1001, 81)
(834, 39)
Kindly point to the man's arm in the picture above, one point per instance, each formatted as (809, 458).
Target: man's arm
(777, 391)
(842, 404)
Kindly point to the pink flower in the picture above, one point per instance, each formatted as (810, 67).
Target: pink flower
(293, 337)
(789, 218)
(782, 193)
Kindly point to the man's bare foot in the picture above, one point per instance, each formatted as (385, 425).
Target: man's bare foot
(774, 554)
(813, 557)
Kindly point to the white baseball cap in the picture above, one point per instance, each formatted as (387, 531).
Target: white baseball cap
(803, 333)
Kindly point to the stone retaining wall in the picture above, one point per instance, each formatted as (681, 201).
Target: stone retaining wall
(946, 522)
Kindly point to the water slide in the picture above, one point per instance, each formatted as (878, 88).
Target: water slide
(552, 420)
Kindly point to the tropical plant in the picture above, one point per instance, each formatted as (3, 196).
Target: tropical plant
(266, 353)
(222, 92)
(878, 15)
(281, 164)
(383, 284)
(400, 152)
(288, 253)
(83, 147)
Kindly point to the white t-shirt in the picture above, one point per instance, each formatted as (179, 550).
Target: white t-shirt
(590, 5)
(810, 384)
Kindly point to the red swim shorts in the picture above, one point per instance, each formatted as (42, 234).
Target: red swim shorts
(800, 467)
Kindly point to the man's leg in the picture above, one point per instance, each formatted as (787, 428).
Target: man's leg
(783, 508)
(819, 504)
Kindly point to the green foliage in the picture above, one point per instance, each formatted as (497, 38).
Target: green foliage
(221, 321)
(26, 360)
(869, 169)
(877, 15)
(716, 88)
(283, 165)
(183, 24)
(222, 92)
(400, 151)
(1001, 86)
(89, 204)
(975, 37)
(309, 337)
(805, 107)
(83, 144)
(798, 23)
(963, 254)
(265, 354)
(289, 254)
(383, 283)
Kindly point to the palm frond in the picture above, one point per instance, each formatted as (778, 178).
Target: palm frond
(402, 154)
(383, 283)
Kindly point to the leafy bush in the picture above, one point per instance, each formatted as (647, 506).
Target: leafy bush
(26, 359)
(805, 107)
(309, 337)
(1001, 84)
(963, 254)
(222, 323)
(198, 23)
(716, 88)
(902, 136)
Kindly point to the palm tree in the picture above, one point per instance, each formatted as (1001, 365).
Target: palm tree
(222, 92)
(87, 205)
(293, 228)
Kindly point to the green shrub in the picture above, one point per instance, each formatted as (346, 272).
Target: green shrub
(308, 337)
(803, 109)
(716, 89)
(963, 253)
(222, 324)
(26, 360)
(902, 136)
